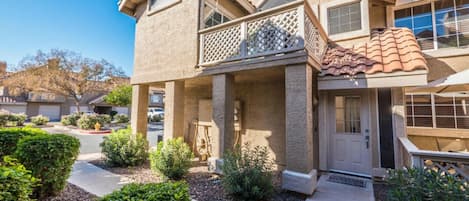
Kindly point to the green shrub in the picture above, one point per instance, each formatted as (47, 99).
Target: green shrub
(167, 191)
(155, 118)
(4, 118)
(425, 184)
(122, 149)
(87, 121)
(70, 120)
(19, 119)
(16, 182)
(247, 173)
(121, 118)
(40, 120)
(172, 158)
(9, 138)
(104, 119)
(50, 159)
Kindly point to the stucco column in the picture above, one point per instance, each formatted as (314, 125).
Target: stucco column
(139, 109)
(222, 117)
(299, 175)
(174, 110)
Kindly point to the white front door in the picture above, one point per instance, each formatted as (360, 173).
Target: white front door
(349, 136)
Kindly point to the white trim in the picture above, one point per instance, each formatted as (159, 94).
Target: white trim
(365, 20)
(378, 131)
(377, 80)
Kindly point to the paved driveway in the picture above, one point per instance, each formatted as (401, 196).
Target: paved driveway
(90, 142)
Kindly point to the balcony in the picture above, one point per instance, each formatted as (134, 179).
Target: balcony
(45, 97)
(286, 29)
(452, 163)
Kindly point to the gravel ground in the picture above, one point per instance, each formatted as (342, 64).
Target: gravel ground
(204, 186)
(73, 193)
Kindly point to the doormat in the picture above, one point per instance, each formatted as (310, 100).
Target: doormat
(347, 181)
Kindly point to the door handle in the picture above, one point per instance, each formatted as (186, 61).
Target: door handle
(367, 138)
(367, 141)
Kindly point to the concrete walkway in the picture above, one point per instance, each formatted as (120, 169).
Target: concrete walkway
(330, 191)
(95, 180)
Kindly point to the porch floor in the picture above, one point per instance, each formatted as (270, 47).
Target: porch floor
(331, 191)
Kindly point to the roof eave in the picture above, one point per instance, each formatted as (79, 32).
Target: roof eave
(128, 6)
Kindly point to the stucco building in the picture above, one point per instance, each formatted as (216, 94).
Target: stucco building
(321, 83)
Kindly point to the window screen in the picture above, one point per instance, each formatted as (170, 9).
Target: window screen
(344, 18)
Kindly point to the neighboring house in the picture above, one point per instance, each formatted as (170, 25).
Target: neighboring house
(321, 83)
(52, 105)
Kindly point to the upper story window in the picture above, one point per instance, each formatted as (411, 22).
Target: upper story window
(344, 18)
(156, 5)
(213, 16)
(438, 24)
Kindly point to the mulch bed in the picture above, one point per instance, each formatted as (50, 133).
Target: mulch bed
(73, 193)
(204, 186)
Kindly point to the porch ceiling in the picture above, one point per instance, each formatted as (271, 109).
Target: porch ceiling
(389, 50)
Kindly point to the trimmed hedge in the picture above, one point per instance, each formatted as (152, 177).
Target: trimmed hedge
(70, 120)
(87, 121)
(50, 158)
(9, 138)
(12, 119)
(122, 149)
(121, 118)
(172, 158)
(39, 120)
(16, 182)
(168, 191)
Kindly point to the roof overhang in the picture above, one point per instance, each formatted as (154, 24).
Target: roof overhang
(457, 82)
(128, 6)
(377, 80)
(247, 5)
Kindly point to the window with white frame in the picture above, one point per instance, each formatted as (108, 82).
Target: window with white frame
(438, 110)
(213, 16)
(344, 18)
(438, 24)
(157, 4)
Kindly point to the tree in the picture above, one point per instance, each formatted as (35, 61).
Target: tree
(120, 96)
(64, 73)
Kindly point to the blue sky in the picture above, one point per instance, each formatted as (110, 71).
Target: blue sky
(94, 28)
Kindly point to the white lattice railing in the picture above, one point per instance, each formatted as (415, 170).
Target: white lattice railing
(288, 28)
(456, 164)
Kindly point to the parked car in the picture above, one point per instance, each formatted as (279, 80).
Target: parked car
(152, 112)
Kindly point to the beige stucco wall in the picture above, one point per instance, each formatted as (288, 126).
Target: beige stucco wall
(166, 42)
(263, 114)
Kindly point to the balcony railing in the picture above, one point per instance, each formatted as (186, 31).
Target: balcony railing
(45, 97)
(288, 28)
(456, 164)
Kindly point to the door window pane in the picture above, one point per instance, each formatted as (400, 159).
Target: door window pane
(347, 112)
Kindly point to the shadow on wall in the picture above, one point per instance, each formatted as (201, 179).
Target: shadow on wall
(438, 68)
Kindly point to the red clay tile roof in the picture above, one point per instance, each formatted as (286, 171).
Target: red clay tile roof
(389, 50)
